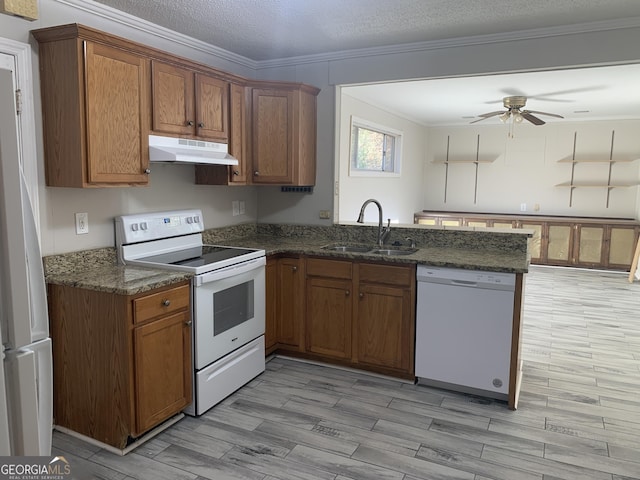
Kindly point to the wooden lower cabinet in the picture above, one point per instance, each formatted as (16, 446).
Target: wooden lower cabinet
(328, 317)
(290, 303)
(355, 314)
(362, 313)
(121, 364)
(562, 241)
(271, 292)
(385, 317)
(285, 298)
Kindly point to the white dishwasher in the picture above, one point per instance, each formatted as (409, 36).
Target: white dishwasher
(463, 329)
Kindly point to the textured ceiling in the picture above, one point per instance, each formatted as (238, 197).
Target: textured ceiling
(273, 29)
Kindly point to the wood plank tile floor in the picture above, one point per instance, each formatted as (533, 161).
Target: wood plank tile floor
(578, 418)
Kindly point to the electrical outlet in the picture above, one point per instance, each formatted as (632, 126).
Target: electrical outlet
(523, 207)
(325, 214)
(82, 223)
(536, 207)
(235, 208)
(241, 209)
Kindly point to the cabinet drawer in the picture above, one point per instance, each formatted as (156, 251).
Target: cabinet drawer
(161, 303)
(329, 268)
(387, 274)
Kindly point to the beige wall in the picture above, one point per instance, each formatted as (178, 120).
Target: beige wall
(400, 196)
(525, 169)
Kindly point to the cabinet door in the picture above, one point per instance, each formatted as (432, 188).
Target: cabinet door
(212, 108)
(272, 123)
(173, 99)
(290, 303)
(117, 106)
(238, 129)
(559, 244)
(535, 242)
(271, 285)
(328, 317)
(384, 327)
(621, 242)
(589, 245)
(238, 147)
(163, 372)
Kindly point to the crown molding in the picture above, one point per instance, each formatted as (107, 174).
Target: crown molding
(145, 26)
(631, 22)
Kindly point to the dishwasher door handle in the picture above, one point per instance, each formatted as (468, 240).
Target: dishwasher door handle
(465, 283)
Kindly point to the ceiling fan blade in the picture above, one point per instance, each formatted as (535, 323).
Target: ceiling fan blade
(492, 114)
(545, 113)
(533, 119)
(484, 116)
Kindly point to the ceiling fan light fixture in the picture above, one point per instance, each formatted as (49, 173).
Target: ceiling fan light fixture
(505, 116)
(517, 117)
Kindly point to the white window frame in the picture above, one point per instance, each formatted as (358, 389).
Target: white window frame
(397, 134)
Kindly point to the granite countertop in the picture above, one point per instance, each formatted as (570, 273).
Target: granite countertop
(98, 269)
(466, 258)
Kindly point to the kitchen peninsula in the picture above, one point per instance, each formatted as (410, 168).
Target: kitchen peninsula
(373, 329)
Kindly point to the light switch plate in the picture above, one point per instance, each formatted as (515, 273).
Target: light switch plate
(235, 208)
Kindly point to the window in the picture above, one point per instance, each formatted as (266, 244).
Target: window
(375, 150)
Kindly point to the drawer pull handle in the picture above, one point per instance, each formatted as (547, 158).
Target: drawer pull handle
(294, 269)
(236, 173)
(200, 124)
(166, 302)
(361, 295)
(188, 323)
(190, 123)
(347, 292)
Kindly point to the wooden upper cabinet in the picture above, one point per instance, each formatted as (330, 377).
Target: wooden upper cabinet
(189, 103)
(95, 103)
(102, 95)
(238, 144)
(284, 135)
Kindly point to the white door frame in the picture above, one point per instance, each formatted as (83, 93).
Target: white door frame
(26, 120)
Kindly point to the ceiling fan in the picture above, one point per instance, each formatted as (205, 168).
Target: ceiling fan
(514, 106)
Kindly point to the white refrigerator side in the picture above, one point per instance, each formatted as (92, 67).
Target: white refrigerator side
(5, 449)
(27, 362)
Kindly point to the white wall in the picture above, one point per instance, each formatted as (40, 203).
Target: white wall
(525, 169)
(400, 196)
(171, 186)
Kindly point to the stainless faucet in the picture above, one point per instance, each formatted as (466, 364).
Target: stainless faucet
(383, 233)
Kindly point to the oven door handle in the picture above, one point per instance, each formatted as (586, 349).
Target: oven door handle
(229, 271)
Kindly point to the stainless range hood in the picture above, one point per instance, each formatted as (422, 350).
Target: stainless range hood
(186, 151)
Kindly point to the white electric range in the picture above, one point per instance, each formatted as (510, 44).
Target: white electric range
(228, 297)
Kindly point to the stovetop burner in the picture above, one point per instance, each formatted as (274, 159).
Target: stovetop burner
(198, 256)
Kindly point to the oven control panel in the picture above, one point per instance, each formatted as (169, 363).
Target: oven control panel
(152, 226)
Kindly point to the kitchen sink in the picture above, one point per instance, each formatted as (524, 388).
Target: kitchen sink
(369, 249)
(347, 248)
(393, 252)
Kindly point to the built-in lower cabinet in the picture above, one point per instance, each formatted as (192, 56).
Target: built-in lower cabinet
(121, 364)
(562, 241)
(385, 317)
(328, 319)
(357, 314)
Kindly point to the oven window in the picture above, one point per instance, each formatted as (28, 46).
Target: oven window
(232, 307)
